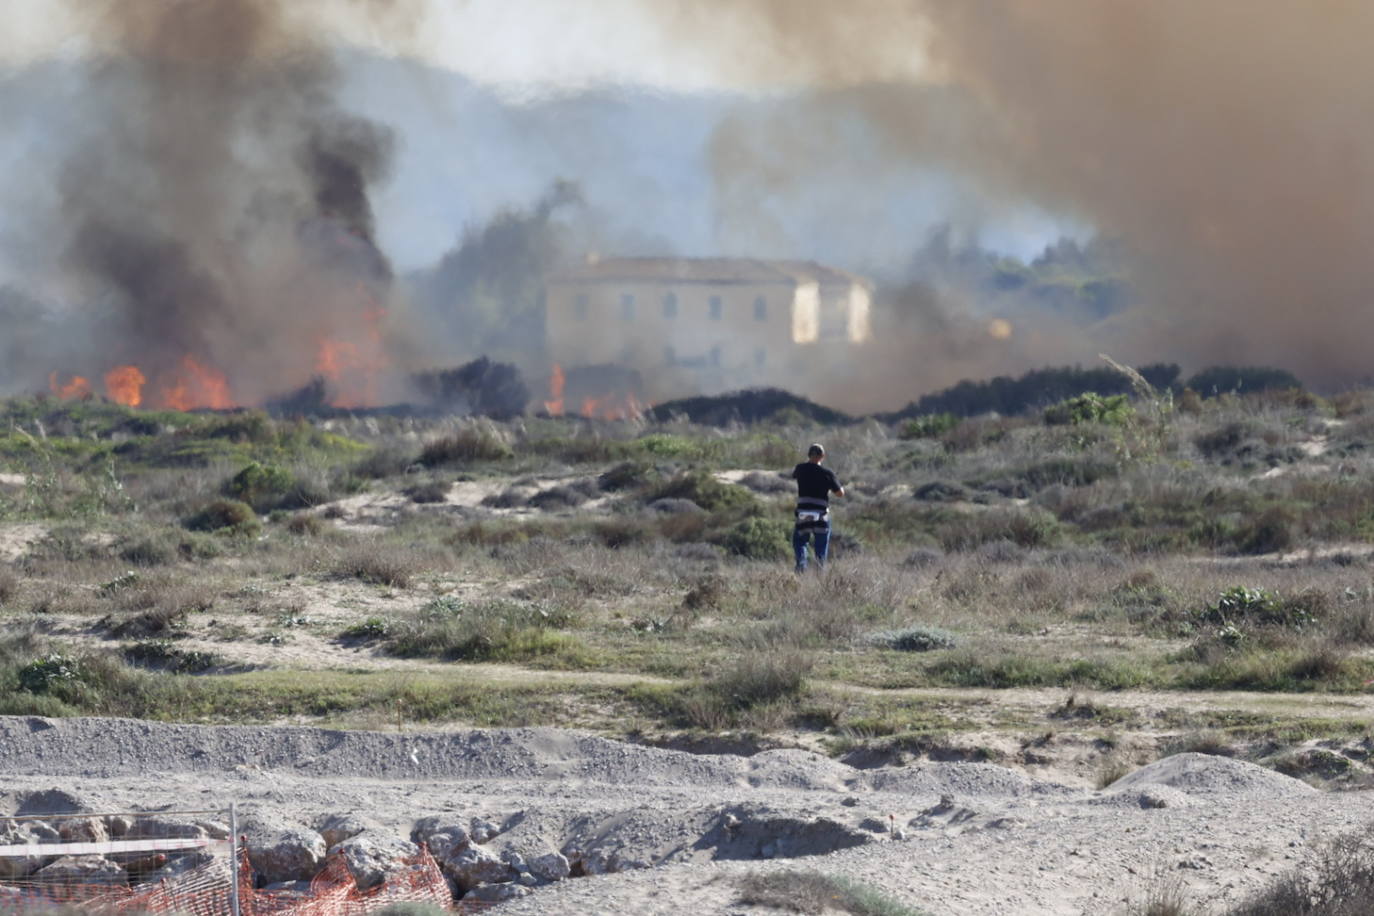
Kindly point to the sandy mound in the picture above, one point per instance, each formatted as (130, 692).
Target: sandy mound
(1213, 777)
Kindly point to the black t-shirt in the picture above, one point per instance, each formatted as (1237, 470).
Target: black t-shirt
(815, 482)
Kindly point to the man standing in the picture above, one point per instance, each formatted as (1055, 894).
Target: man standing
(814, 486)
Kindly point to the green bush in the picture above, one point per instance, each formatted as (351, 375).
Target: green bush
(266, 487)
(42, 674)
(1243, 607)
(371, 628)
(474, 443)
(757, 539)
(1112, 410)
(627, 475)
(225, 515)
(162, 653)
(704, 490)
(490, 631)
(914, 639)
(928, 426)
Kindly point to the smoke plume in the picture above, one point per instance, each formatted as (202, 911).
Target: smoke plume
(216, 207)
(1224, 143)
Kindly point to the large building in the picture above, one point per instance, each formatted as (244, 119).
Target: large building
(704, 325)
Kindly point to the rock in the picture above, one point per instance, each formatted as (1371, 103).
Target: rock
(82, 870)
(25, 832)
(50, 801)
(336, 828)
(283, 852)
(447, 842)
(215, 829)
(874, 825)
(162, 827)
(535, 856)
(1163, 797)
(481, 830)
(82, 829)
(371, 858)
(472, 865)
(119, 824)
(850, 801)
(552, 866)
(495, 893)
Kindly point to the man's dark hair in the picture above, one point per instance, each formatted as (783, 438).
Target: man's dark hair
(814, 450)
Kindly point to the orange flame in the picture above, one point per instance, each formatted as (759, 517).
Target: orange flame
(196, 385)
(612, 407)
(77, 387)
(554, 405)
(354, 366)
(124, 385)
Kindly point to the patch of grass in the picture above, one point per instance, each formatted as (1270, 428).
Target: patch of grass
(809, 892)
(761, 687)
(163, 654)
(378, 564)
(1339, 883)
(913, 639)
(488, 631)
(481, 442)
(371, 628)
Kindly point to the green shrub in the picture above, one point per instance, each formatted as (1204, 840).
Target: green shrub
(384, 461)
(225, 515)
(371, 628)
(928, 426)
(1025, 527)
(757, 539)
(704, 490)
(162, 653)
(490, 631)
(1112, 410)
(266, 487)
(150, 551)
(42, 674)
(379, 566)
(473, 443)
(797, 891)
(1243, 607)
(627, 475)
(914, 639)
(1270, 532)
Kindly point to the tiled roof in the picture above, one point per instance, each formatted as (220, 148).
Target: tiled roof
(705, 270)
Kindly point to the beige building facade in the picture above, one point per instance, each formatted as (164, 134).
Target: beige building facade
(705, 325)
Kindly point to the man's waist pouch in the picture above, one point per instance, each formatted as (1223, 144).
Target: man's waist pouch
(812, 515)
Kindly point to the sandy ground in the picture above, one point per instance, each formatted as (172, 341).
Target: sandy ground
(974, 838)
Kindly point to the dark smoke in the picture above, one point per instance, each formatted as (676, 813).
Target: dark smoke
(217, 200)
(1224, 143)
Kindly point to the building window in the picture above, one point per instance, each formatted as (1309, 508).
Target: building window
(627, 306)
(670, 305)
(760, 357)
(670, 356)
(715, 356)
(580, 307)
(716, 308)
(760, 309)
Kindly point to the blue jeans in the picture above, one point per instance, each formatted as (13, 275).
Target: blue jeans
(800, 537)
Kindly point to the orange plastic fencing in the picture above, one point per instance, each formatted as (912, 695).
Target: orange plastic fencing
(205, 891)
